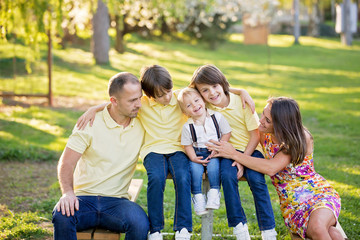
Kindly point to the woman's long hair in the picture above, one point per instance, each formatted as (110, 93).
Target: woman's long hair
(288, 128)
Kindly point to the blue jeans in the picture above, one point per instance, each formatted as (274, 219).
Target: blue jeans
(197, 170)
(256, 181)
(157, 167)
(114, 214)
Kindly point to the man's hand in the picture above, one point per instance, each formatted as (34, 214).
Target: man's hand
(67, 204)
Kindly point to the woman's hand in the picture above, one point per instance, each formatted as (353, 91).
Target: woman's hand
(222, 149)
(87, 117)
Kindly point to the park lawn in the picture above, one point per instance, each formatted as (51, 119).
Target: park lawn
(321, 74)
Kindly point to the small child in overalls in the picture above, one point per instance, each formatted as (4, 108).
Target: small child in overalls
(203, 125)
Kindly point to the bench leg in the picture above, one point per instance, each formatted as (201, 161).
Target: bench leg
(207, 219)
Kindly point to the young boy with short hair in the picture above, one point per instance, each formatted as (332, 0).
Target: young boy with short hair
(202, 126)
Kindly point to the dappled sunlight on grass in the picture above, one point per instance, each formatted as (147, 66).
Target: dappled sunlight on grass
(354, 170)
(338, 90)
(280, 40)
(75, 55)
(315, 71)
(326, 43)
(34, 128)
(349, 190)
(236, 37)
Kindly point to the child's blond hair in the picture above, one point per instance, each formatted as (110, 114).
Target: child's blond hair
(186, 92)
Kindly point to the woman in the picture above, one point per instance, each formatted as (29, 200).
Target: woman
(309, 205)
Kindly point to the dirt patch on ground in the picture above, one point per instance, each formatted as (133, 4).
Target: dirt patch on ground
(77, 103)
(24, 183)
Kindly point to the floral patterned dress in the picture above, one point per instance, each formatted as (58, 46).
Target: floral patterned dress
(301, 190)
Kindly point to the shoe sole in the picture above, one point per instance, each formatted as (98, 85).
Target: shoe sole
(201, 213)
(212, 207)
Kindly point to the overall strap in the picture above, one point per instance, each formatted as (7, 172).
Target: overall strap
(216, 125)
(193, 133)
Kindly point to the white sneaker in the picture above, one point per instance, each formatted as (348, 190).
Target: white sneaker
(213, 199)
(155, 236)
(199, 204)
(241, 232)
(182, 235)
(269, 234)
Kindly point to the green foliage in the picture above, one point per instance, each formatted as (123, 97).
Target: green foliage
(21, 226)
(29, 21)
(212, 35)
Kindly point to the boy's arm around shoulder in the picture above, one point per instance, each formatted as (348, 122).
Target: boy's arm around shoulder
(245, 98)
(89, 116)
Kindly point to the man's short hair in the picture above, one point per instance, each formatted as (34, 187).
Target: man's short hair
(117, 82)
(155, 80)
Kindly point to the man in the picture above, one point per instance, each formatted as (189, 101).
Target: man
(104, 157)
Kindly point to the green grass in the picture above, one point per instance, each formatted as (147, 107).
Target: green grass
(321, 74)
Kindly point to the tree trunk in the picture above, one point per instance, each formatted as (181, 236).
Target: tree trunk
(346, 35)
(164, 27)
(296, 21)
(333, 10)
(100, 39)
(313, 27)
(119, 39)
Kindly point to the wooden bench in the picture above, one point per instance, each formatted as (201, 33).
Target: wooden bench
(102, 234)
(207, 219)
(338, 226)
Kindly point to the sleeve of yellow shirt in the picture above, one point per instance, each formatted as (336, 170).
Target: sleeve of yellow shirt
(251, 119)
(79, 140)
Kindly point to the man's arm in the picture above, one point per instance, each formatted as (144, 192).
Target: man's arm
(68, 202)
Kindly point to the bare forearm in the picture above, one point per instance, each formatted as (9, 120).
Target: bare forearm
(65, 176)
(226, 137)
(265, 166)
(253, 142)
(100, 107)
(258, 164)
(66, 168)
(236, 91)
(190, 152)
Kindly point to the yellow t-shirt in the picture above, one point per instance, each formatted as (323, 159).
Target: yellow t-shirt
(162, 124)
(109, 156)
(241, 122)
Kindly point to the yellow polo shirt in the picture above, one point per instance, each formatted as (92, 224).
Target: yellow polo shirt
(162, 124)
(241, 122)
(109, 156)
